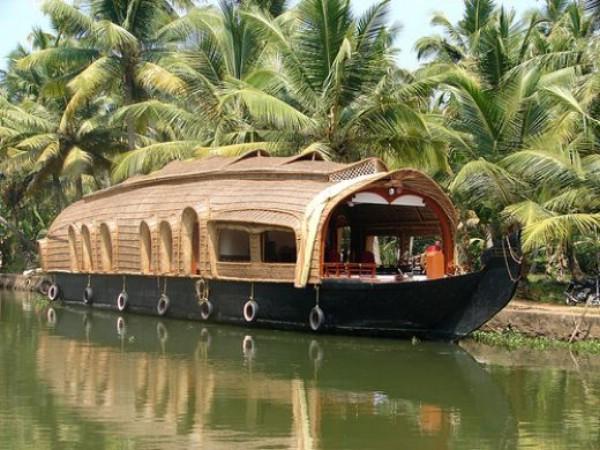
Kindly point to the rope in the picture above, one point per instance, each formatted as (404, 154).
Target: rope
(202, 290)
(511, 252)
(124, 284)
(199, 288)
(165, 288)
(510, 275)
(317, 294)
(89, 283)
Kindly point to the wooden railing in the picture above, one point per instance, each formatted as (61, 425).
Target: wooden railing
(339, 270)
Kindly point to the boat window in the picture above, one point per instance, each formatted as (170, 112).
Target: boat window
(166, 247)
(278, 246)
(88, 264)
(106, 252)
(145, 248)
(190, 241)
(73, 254)
(234, 246)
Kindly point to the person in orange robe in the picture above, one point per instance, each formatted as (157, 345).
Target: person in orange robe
(434, 261)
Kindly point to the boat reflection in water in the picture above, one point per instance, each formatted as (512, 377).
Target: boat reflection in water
(177, 384)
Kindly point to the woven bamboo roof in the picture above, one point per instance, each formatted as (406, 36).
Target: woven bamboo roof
(251, 189)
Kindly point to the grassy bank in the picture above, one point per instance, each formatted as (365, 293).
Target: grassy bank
(513, 340)
(541, 288)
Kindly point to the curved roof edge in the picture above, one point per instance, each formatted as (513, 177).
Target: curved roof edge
(412, 179)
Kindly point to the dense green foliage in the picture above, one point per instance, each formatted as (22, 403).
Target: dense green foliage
(503, 110)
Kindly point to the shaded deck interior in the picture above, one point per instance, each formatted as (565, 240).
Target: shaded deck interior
(380, 236)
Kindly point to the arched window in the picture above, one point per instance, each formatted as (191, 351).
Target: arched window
(145, 248)
(88, 262)
(106, 250)
(166, 247)
(73, 253)
(190, 241)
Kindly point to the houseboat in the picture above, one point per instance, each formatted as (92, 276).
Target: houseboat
(278, 242)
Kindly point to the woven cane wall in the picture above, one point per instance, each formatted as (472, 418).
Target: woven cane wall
(277, 202)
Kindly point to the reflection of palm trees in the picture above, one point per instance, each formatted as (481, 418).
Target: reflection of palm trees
(175, 394)
(215, 387)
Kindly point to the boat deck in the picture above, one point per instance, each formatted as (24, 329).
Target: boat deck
(380, 278)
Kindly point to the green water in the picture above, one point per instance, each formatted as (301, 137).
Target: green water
(76, 378)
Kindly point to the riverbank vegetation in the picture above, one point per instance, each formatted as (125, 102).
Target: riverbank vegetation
(502, 111)
(513, 340)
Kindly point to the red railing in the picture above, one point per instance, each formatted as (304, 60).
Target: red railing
(339, 270)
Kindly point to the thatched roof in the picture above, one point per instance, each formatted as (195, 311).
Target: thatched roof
(253, 188)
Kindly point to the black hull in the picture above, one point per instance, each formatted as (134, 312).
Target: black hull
(447, 309)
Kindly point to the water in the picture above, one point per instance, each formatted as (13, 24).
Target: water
(76, 378)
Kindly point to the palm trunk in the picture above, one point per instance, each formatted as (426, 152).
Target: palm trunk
(129, 100)
(78, 188)
(572, 263)
(57, 192)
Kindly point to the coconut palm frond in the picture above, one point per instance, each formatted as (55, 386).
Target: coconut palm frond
(301, 84)
(58, 55)
(96, 77)
(526, 213)
(77, 162)
(67, 18)
(481, 180)
(111, 36)
(51, 152)
(573, 200)
(566, 98)
(19, 119)
(155, 78)
(559, 229)
(591, 165)
(196, 20)
(37, 141)
(151, 110)
(269, 109)
(318, 147)
(238, 149)
(538, 166)
(146, 159)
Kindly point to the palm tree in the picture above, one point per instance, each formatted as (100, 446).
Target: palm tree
(221, 49)
(514, 90)
(36, 139)
(117, 45)
(458, 42)
(562, 207)
(341, 83)
(314, 77)
(506, 101)
(33, 143)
